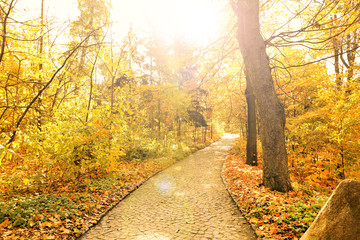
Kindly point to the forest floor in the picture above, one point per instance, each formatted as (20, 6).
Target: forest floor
(274, 215)
(67, 209)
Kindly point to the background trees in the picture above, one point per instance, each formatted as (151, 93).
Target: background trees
(78, 103)
(84, 103)
(81, 100)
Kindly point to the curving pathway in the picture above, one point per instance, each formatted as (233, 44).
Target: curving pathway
(186, 201)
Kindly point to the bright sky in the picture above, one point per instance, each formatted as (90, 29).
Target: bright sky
(198, 21)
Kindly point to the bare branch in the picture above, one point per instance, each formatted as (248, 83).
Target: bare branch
(11, 6)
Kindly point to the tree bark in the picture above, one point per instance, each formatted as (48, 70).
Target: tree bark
(251, 146)
(271, 111)
(351, 47)
(338, 80)
(42, 35)
(4, 25)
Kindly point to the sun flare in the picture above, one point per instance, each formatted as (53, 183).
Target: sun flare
(197, 21)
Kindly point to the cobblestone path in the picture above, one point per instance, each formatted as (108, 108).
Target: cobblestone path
(186, 201)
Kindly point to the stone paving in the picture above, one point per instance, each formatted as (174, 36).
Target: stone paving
(186, 201)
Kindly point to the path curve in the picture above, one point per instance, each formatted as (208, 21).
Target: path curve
(186, 201)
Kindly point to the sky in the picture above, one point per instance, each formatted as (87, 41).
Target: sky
(197, 21)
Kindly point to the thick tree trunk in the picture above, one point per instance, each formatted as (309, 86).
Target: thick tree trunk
(251, 147)
(271, 111)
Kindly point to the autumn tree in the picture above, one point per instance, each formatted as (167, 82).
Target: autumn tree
(317, 132)
(6, 9)
(93, 15)
(22, 80)
(271, 111)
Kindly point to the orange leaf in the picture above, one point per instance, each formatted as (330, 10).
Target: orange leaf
(46, 224)
(65, 230)
(4, 224)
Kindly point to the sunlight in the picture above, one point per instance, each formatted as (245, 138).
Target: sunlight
(165, 184)
(153, 236)
(197, 21)
(229, 135)
(61, 10)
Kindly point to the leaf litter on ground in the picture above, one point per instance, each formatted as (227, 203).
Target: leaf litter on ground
(273, 215)
(67, 209)
(74, 207)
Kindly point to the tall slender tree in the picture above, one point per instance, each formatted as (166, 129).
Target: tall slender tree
(251, 136)
(93, 14)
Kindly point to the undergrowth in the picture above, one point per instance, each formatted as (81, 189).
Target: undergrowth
(274, 215)
(65, 209)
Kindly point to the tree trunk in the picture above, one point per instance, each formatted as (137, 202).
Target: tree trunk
(271, 111)
(159, 119)
(84, 49)
(4, 27)
(338, 80)
(251, 146)
(204, 134)
(179, 126)
(42, 35)
(351, 47)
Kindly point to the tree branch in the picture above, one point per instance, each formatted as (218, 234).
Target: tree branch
(11, 6)
(46, 86)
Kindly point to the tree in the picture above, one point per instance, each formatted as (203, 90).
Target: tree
(4, 16)
(328, 29)
(93, 14)
(38, 95)
(271, 111)
(251, 144)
